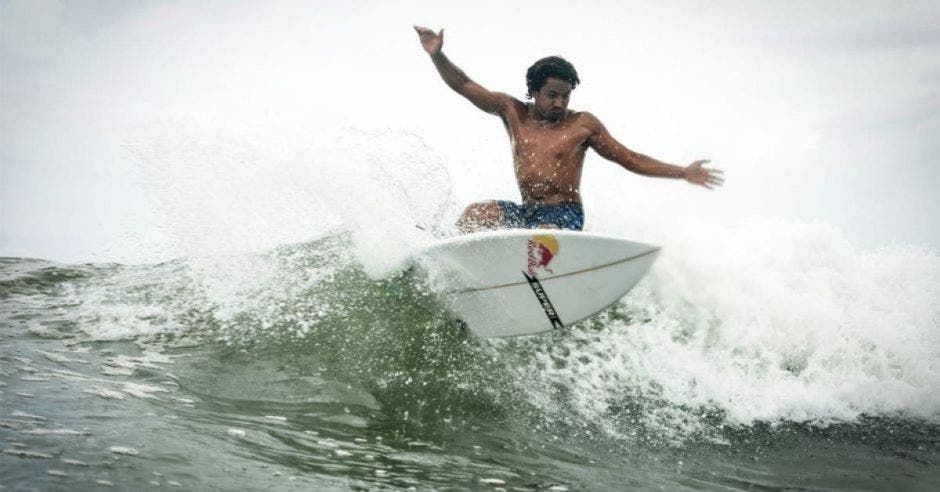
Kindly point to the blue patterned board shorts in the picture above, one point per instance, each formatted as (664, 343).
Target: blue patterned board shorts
(564, 215)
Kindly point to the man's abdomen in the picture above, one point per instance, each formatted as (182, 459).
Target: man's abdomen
(548, 186)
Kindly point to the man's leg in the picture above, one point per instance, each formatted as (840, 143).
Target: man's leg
(481, 216)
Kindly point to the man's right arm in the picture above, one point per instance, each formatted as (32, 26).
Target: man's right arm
(456, 79)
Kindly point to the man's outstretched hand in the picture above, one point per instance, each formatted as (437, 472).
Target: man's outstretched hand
(696, 174)
(431, 41)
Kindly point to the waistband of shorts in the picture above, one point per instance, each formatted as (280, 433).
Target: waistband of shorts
(548, 205)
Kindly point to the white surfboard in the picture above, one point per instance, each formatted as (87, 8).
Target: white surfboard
(525, 281)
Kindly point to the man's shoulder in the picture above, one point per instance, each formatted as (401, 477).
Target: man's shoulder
(511, 102)
(584, 115)
(585, 118)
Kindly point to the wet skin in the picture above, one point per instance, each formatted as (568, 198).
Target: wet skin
(548, 145)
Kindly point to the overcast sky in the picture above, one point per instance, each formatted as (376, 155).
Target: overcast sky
(127, 125)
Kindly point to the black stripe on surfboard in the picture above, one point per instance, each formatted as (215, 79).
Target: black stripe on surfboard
(546, 303)
(512, 284)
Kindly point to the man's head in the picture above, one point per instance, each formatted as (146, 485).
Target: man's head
(550, 81)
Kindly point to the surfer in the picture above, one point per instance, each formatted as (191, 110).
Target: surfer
(549, 142)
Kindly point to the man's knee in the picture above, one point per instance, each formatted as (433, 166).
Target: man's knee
(483, 209)
(481, 215)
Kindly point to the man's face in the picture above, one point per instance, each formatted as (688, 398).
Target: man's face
(551, 101)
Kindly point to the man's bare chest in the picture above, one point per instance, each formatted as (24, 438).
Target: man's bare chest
(536, 140)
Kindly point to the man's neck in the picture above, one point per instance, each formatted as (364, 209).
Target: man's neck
(542, 120)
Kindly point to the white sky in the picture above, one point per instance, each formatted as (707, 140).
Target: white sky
(823, 111)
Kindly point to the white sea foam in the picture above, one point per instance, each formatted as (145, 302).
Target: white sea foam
(25, 415)
(142, 390)
(105, 393)
(57, 432)
(54, 357)
(775, 320)
(127, 451)
(33, 378)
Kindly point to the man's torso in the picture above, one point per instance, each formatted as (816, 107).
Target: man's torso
(547, 157)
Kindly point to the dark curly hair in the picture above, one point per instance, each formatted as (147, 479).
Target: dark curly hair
(550, 66)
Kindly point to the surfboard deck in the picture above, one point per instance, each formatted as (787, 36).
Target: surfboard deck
(526, 281)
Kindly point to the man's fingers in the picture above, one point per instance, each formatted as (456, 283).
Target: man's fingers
(425, 30)
(706, 178)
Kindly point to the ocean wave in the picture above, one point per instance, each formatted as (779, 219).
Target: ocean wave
(783, 323)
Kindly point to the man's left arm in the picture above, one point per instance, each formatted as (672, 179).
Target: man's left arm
(609, 148)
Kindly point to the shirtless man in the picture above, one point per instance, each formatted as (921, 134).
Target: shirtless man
(549, 142)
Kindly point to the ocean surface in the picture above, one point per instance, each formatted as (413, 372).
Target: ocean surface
(807, 368)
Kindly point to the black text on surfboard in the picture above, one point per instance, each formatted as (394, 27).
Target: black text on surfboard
(544, 300)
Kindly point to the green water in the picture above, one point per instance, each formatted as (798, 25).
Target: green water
(318, 378)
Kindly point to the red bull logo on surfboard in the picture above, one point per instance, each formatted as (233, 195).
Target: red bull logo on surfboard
(542, 248)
